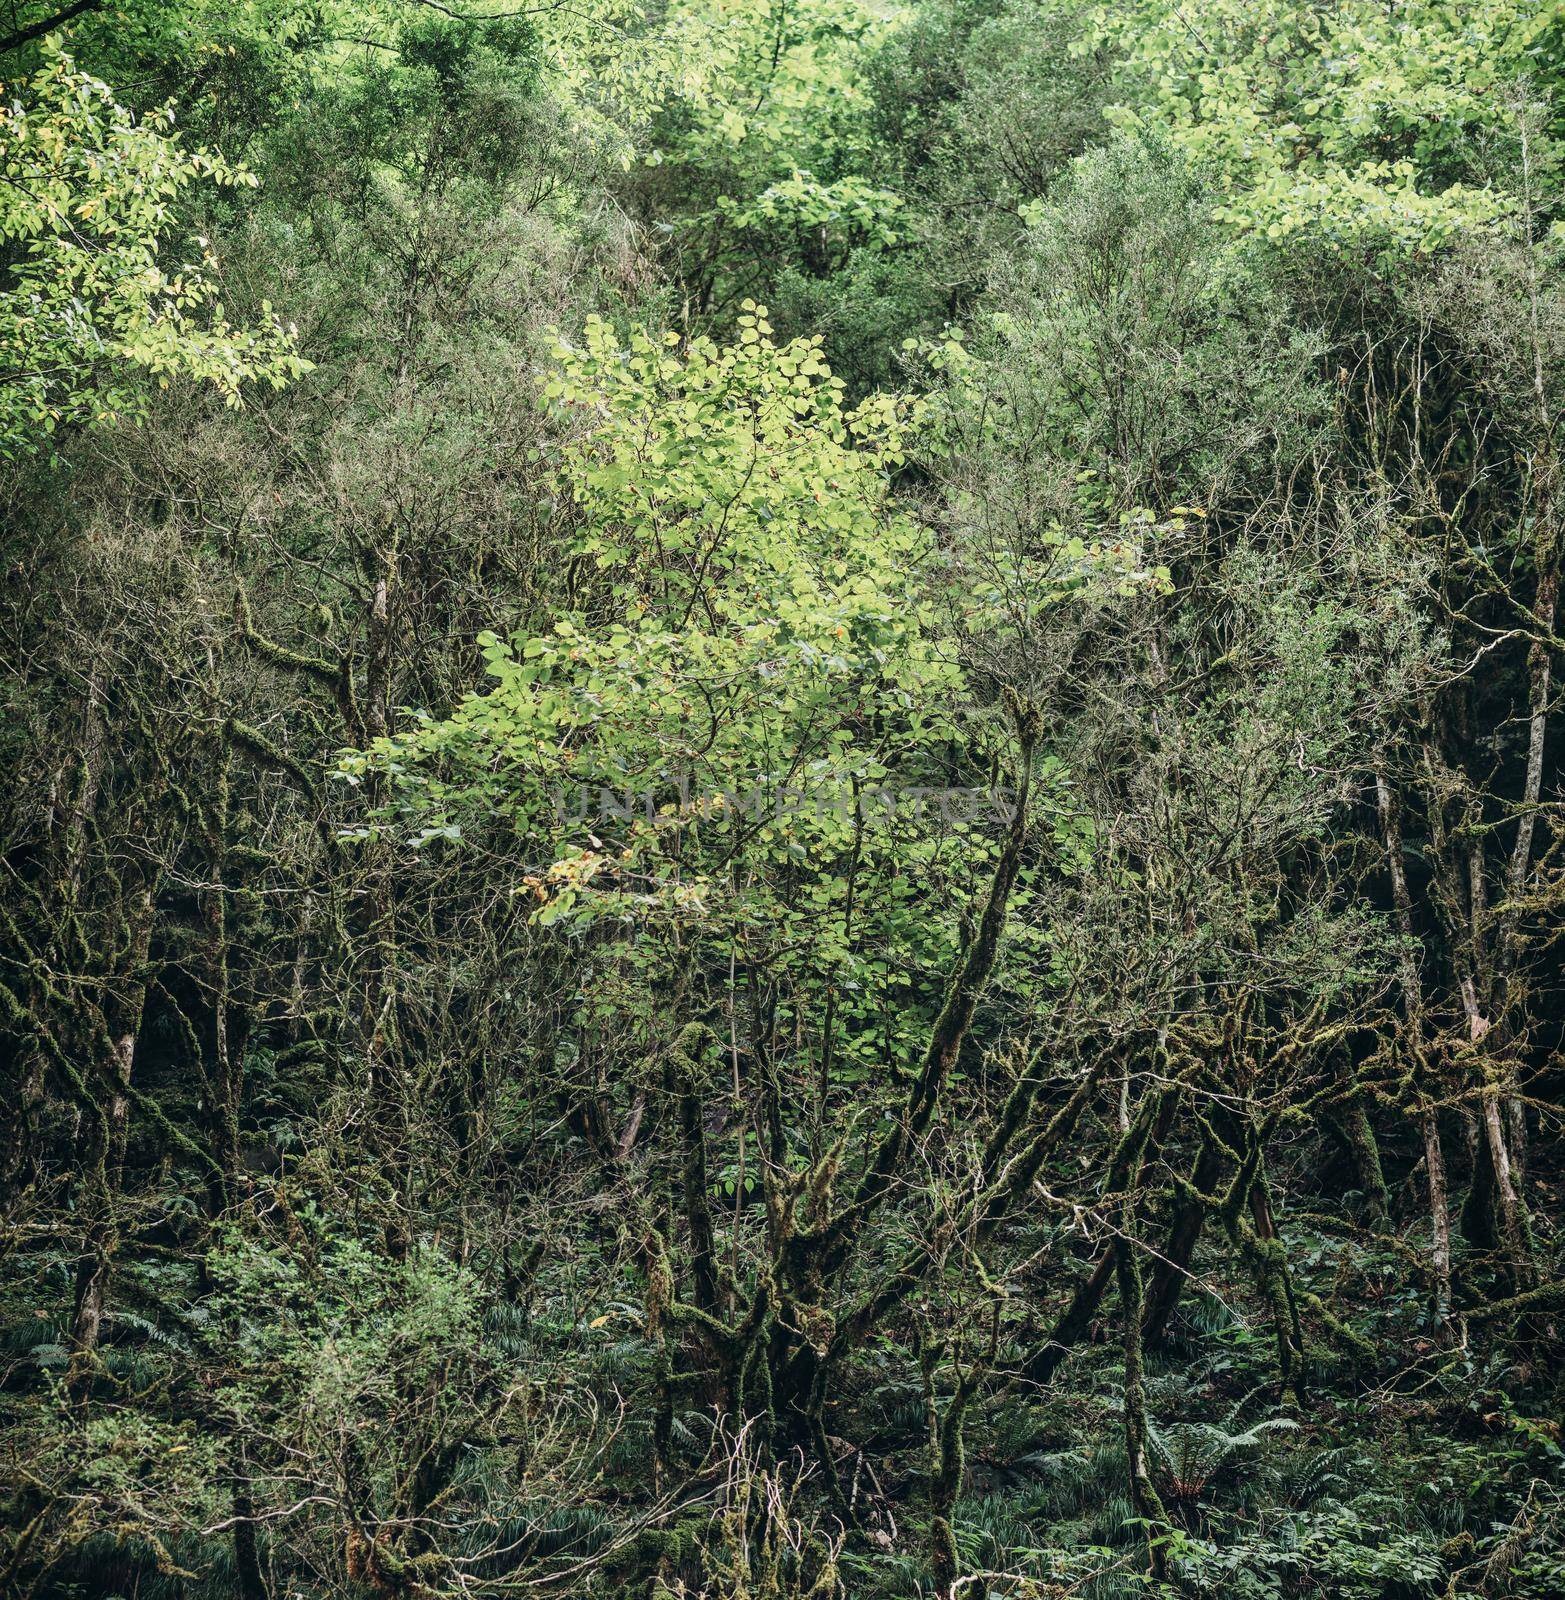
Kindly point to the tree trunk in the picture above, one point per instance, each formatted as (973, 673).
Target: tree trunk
(1144, 1498)
(1413, 1014)
(1171, 1271)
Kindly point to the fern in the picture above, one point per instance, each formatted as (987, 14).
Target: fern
(1192, 1454)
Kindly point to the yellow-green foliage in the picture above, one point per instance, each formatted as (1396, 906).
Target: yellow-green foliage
(766, 594)
(1370, 122)
(89, 200)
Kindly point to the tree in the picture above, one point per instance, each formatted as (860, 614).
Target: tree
(89, 199)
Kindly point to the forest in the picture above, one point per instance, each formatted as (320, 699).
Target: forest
(782, 808)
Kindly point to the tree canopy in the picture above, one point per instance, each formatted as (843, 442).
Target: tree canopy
(783, 811)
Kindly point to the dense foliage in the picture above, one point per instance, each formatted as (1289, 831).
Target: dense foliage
(783, 809)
